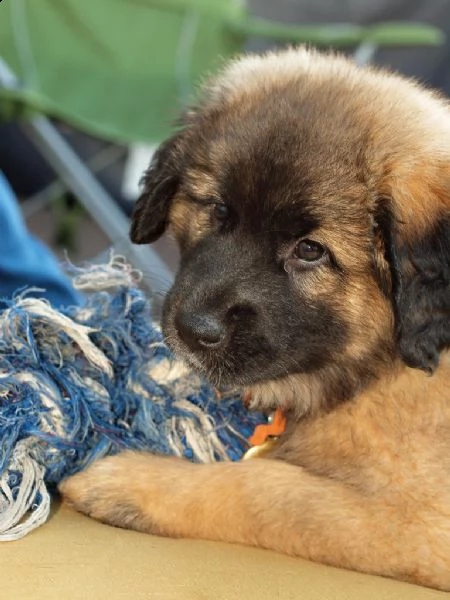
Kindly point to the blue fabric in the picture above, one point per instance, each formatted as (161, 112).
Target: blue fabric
(24, 261)
(84, 382)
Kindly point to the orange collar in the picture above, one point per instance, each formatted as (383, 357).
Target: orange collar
(274, 428)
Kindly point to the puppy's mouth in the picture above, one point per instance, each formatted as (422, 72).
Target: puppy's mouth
(222, 367)
(243, 359)
(214, 371)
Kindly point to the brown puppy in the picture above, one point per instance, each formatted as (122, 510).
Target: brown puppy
(311, 202)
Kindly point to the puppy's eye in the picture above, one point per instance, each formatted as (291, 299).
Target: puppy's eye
(220, 212)
(309, 251)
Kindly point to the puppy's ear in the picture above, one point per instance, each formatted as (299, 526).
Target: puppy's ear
(160, 183)
(419, 283)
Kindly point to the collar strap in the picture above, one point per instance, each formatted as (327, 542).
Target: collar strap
(275, 427)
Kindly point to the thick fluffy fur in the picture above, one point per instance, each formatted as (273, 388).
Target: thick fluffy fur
(352, 343)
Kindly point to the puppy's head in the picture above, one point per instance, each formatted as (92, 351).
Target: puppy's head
(310, 200)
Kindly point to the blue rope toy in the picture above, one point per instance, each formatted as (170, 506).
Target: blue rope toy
(89, 381)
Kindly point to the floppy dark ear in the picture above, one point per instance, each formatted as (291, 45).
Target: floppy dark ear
(420, 286)
(160, 183)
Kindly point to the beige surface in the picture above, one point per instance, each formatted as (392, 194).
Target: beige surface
(74, 557)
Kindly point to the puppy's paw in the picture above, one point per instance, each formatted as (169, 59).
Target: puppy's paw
(114, 490)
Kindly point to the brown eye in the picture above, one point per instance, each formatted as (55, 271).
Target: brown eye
(221, 212)
(309, 251)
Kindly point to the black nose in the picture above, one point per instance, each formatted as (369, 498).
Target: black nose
(200, 330)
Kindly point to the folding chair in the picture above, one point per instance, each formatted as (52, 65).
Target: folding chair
(122, 69)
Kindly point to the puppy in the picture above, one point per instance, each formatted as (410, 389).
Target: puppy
(311, 202)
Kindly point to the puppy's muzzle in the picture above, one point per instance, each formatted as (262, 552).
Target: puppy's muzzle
(210, 329)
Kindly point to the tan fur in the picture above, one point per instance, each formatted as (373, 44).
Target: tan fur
(367, 492)
(364, 488)
(410, 128)
(363, 484)
(188, 222)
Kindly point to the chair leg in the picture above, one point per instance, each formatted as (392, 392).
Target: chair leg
(95, 199)
(96, 163)
(364, 54)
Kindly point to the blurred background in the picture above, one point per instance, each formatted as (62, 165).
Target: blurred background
(89, 89)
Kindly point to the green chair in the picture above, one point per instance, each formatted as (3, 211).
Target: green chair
(123, 69)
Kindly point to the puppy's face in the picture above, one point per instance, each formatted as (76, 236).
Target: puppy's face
(277, 274)
(287, 193)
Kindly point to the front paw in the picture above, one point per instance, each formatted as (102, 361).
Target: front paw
(112, 491)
